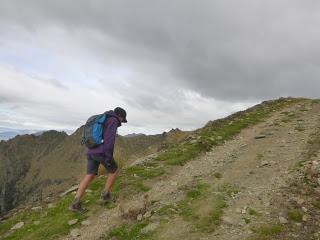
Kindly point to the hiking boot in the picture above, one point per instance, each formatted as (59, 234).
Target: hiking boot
(76, 206)
(105, 197)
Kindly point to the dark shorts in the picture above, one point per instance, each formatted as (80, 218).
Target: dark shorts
(95, 161)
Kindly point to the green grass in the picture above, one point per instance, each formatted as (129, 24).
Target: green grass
(198, 191)
(266, 232)
(229, 189)
(247, 220)
(259, 156)
(252, 211)
(295, 215)
(201, 207)
(129, 232)
(167, 210)
(185, 207)
(209, 223)
(179, 155)
(53, 222)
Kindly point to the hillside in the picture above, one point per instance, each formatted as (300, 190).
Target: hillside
(253, 175)
(36, 168)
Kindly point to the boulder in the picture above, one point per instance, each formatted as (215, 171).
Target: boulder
(18, 226)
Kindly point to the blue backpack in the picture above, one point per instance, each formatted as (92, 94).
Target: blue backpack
(92, 135)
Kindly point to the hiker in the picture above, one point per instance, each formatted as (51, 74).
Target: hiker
(102, 154)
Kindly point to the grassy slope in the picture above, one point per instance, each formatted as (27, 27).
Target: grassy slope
(134, 179)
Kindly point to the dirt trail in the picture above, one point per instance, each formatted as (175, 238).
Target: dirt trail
(259, 166)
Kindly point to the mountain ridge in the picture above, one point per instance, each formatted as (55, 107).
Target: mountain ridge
(252, 175)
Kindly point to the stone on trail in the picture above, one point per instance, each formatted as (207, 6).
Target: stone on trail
(228, 220)
(86, 222)
(260, 136)
(18, 226)
(51, 205)
(72, 189)
(283, 220)
(72, 222)
(135, 208)
(139, 217)
(36, 208)
(75, 232)
(150, 228)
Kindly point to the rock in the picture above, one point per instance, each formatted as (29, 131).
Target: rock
(283, 220)
(260, 136)
(227, 220)
(304, 209)
(36, 208)
(75, 232)
(72, 222)
(147, 214)
(134, 208)
(265, 163)
(173, 183)
(51, 205)
(305, 218)
(72, 189)
(89, 191)
(18, 226)
(298, 200)
(139, 217)
(36, 222)
(150, 228)
(86, 223)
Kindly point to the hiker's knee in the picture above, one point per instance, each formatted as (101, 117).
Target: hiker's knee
(89, 177)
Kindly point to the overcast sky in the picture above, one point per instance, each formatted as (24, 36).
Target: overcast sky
(170, 64)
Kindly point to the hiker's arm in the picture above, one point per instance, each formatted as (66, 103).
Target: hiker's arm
(109, 138)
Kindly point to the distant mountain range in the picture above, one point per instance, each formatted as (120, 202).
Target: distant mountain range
(38, 165)
(8, 133)
(134, 135)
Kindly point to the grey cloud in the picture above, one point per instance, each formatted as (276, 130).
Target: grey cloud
(231, 50)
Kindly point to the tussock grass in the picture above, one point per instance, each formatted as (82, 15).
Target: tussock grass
(295, 215)
(229, 189)
(129, 232)
(201, 207)
(266, 232)
(252, 211)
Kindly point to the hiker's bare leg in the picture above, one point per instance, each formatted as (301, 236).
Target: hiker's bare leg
(111, 178)
(84, 184)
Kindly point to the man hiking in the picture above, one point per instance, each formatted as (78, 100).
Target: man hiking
(102, 154)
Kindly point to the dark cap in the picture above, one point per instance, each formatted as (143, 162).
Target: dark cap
(122, 113)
